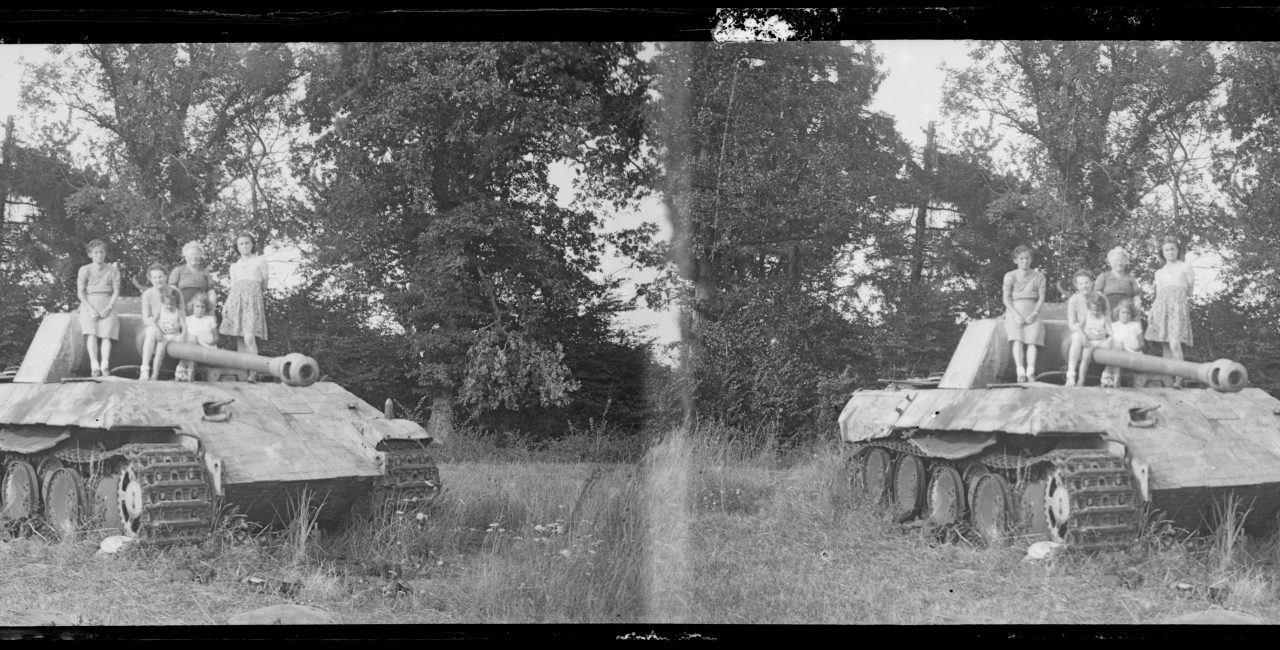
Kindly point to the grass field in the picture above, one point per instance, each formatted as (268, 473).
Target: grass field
(700, 531)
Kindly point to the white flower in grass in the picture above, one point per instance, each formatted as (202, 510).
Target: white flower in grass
(564, 552)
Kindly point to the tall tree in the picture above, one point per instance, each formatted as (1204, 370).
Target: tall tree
(1098, 115)
(174, 117)
(773, 168)
(432, 188)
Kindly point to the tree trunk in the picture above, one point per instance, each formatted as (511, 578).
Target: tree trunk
(922, 212)
(440, 424)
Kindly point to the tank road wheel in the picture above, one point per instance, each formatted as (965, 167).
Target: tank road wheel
(909, 480)
(873, 474)
(945, 497)
(105, 505)
(1031, 507)
(989, 506)
(65, 502)
(21, 491)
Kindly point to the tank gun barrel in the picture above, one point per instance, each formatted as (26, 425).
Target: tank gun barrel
(1223, 375)
(294, 369)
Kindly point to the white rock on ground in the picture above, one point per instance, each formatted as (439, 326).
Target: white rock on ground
(283, 615)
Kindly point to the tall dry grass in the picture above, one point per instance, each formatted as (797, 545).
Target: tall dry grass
(709, 526)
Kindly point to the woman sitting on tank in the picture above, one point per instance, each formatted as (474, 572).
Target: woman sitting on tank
(1117, 284)
(1024, 289)
(98, 287)
(163, 323)
(1089, 324)
(192, 279)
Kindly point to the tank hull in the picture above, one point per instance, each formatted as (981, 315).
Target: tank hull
(155, 458)
(1197, 445)
(1185, 450)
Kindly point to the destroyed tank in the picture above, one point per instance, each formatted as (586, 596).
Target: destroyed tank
(161, 460)
(1075, 465)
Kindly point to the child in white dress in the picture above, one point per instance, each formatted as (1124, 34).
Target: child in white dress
(1126, 335)
(202, 328)
(1089, 323)
(170, 324)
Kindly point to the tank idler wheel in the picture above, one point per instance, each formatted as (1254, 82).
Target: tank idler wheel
(945, 498)
(909, 482)
(20, 496)
(989, 506)
(874, 472)
(105, 505)
(65, 501)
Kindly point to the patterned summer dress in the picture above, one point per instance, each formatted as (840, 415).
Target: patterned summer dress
(1024, 293)
(99, 285)
(1170, 316)
(243, 313)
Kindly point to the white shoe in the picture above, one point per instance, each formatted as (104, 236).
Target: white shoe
(145, 375)
(1071, 379)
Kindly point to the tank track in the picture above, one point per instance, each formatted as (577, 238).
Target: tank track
(1104, 509)
(1105, 512)
(172, 492)
(412, 478)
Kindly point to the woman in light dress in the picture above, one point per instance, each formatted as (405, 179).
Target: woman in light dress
(244, 316)
(98, 287)
(1024, 289)
(1169, 321)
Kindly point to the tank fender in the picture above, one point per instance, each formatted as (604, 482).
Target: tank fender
(1141, 471)
(29, 440)
(1142, 474)
(212, 464)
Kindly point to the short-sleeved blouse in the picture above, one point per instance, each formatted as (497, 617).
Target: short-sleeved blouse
(249, 268)
(104, 280)
(1177, 274)
(191, 281)
(1026, 288)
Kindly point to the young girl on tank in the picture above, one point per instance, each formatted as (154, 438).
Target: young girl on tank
(169, 323)
(243, 315)
(202, 328)
(1024, 289)
(1117, 284)
(98, 287)
(1169, 322)
(1089, 324)
(1126, 336)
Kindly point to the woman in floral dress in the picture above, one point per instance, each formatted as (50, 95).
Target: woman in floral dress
(244, 315)
(1169, 321)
